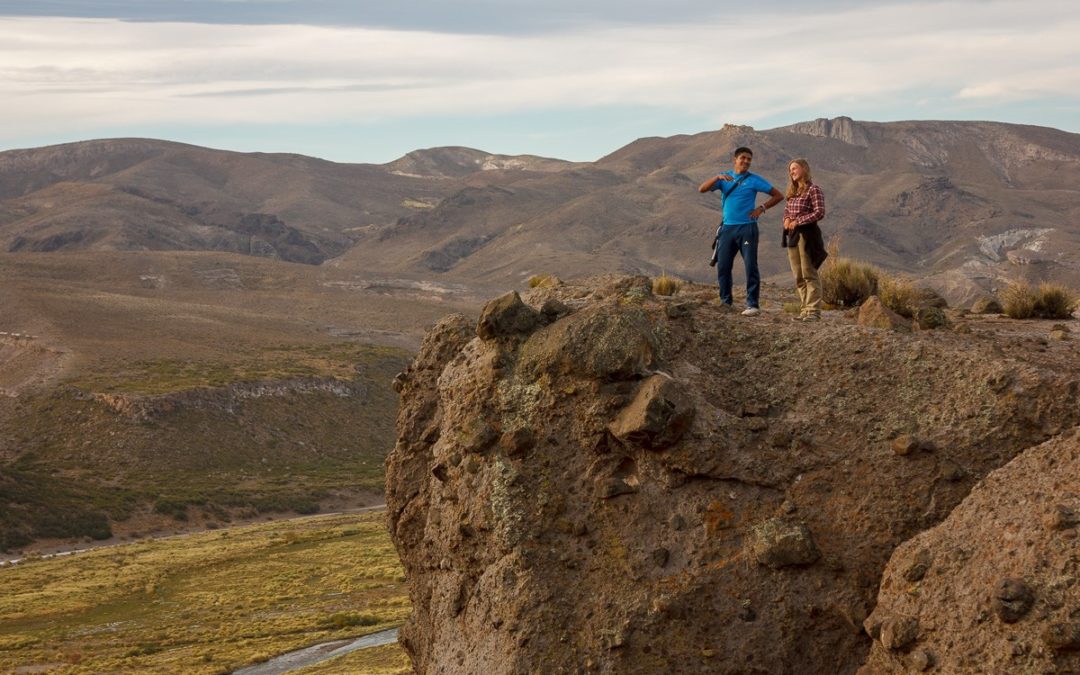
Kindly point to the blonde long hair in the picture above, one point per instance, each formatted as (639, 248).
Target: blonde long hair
(800, 187)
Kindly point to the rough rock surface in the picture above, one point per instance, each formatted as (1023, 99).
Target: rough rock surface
(560, 508)
(998, 588)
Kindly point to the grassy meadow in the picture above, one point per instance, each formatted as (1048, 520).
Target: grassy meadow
(209, 602)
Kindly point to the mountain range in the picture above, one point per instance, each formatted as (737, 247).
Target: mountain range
(962, 205)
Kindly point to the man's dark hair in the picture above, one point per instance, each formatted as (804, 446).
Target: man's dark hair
(743, 150)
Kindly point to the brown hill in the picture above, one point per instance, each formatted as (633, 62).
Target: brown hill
(604, 480)
(965, 205)
(135, 194)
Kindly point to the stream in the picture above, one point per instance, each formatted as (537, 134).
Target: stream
(316, 653)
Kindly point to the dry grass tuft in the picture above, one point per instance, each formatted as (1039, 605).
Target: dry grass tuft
(1018, 300)
(544, 281)
(665, 285)
(844, 282)
(1056, 302)
(898, 294)
(209, 602)
(1048, 301)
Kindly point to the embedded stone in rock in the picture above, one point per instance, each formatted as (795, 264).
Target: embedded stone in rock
(1062, 637)
(660, 556)
(906, 444)
(918, 565)
(899, 632)
(783, 543)
(921, 660)
(603, 343)
(613, 487)
(874, 314)
(506, 315)
(1012, 600)
(553, 310)
(477, 436)
(518, 441)
(657, 417)
(1061, 517)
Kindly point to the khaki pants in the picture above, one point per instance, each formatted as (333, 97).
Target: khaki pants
(806, 279)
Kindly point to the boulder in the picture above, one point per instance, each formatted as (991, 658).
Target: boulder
(1004, 572)
(874, 314)
(659, 415)
(506, 315)
(780, 543)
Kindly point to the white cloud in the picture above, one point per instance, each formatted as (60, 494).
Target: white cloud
(79, 73)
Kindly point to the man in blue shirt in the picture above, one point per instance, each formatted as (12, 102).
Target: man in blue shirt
(739, 228)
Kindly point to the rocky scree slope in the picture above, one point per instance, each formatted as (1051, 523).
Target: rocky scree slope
(596, 479)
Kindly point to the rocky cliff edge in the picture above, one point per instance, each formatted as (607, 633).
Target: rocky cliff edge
(593, 478)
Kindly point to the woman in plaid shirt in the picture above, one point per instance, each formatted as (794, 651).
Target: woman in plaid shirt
(802, 237)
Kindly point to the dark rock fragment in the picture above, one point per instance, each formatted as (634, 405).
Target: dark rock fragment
(899, 632)
(1012, 600)
(506, 315)
(783, 543)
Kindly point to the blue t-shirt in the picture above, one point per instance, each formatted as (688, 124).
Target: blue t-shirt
(739, 201)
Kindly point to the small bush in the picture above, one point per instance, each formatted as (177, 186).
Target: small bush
(792, 307)
(348, 619)
(899, 295)
(665, 285)
(1055, 302)
(1018, 300)
(846, 283)
(544, 281)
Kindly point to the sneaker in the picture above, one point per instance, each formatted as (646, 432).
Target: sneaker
(751, 311)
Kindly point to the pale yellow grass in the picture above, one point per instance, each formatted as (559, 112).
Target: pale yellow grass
(203, 603)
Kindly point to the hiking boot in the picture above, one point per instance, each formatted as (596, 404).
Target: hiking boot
(809, 318)
(751, 311)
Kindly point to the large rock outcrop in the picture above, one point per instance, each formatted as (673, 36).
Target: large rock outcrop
(995, 588)
(643, 484)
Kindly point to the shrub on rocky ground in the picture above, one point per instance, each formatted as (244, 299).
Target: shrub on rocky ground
(898, 294)
(847, 283)
(665, 285)
(1048, 301)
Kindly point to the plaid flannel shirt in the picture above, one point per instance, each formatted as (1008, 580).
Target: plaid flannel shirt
(809, 207)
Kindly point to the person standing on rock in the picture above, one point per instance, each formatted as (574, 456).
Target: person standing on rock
(802, 237)
(739, 227)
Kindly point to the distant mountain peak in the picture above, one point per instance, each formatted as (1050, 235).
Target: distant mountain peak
(841, 128)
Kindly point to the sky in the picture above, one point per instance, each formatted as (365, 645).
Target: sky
(370, 80)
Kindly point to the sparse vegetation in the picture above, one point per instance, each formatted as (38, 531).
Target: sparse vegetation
(898, 294)
(845, 282)
(665, 285)
(211, 454)
(544, 281)
(208, 602)
(1048, 301)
